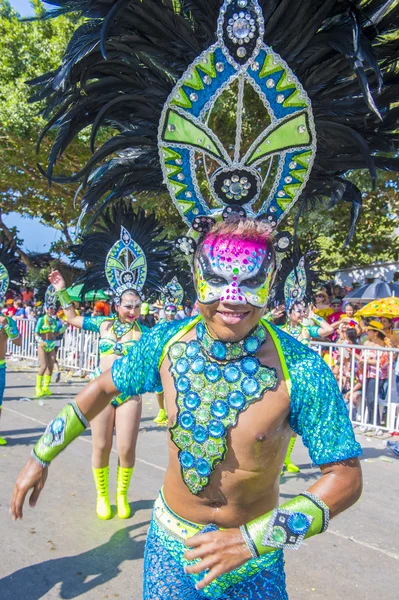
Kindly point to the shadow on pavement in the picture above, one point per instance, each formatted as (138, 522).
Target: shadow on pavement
(100, 565)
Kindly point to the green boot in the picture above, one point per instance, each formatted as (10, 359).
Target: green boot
(291, 468)
(122, 486)
(103, 507)
(46, 383)
(161, 418)
(38, 389)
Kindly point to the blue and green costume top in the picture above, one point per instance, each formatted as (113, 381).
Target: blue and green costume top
(45, 325)
(211, 394)
(108, 346)
(12, 333)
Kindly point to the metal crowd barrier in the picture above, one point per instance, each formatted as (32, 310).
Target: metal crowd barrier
(78, 350)
(372, 401)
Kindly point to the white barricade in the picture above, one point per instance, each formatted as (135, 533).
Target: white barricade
(78, 349)
(367, 379)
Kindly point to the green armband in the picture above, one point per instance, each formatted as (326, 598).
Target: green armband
(318, 320)
(268, 316)
(64, 298)
(11, 329)
(286, 526)
(60, 432)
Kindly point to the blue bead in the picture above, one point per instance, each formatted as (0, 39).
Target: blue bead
(212, 372)
(298, 523)
(182, 366)
(231, 373)
(192, 349)
(203, 468)
(200, 330)
(216, 428)
(219, 409)
(250, 386)
(183, 384)
(200, 434)
(236, 400)
(198, 365)
(192, 401)
(252, 345)
(186, 459)
(218, 350)
(249, 365)
(186, 420)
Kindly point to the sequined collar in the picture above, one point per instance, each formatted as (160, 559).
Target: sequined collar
(222, 351)
(121, 329)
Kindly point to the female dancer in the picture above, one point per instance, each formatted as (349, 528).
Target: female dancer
(123, 254)
(48, 327)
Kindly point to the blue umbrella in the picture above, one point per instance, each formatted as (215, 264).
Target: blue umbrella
(373, 291)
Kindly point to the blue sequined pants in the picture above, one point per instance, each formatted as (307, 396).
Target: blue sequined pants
(165, 579)
(2, 382)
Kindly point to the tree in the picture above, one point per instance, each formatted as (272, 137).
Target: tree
(30, 49)
(376, 237)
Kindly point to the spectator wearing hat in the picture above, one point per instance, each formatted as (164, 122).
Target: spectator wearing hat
(322, 304)
(10, 309)
(377, 364)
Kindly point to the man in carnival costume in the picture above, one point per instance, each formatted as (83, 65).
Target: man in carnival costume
(235, 386)
(11, 268)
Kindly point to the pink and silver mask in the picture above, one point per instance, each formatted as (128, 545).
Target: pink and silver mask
(234, 270)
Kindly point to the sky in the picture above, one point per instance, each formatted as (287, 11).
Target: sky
(37, 237)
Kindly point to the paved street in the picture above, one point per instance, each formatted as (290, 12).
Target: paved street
(61, 549)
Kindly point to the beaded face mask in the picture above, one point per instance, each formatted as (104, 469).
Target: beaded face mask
(233, 270)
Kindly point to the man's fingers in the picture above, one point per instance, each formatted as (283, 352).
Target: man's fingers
(35, 495)
(200, 552)
(18, 502)
(213, 574)
(197, 540)
(202, 565)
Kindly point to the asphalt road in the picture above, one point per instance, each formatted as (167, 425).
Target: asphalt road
(61, 550)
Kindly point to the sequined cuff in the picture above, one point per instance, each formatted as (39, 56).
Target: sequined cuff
(287, 526)
(64, 298)
(60, 432)
(42, 463)
(248, 540)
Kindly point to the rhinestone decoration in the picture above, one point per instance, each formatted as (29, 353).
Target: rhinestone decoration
(210, 398)
(236, 187)
(286, 529)
(241, 52)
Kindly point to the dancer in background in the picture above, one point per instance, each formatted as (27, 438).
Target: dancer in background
(11, 269)
(125, 252)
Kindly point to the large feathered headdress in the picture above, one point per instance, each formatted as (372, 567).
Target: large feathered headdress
(12, 268)
(241, 107)
(124, 251)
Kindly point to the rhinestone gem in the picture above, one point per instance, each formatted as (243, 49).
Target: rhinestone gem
(280, 98)
(189, 195)
(288, 179)
(281, 194)
(292, 165)
(255, 66)
(278, 535)
(273, 209)
(193, 97)
(241, 28)
(207, 80)
(241, 52)
(179, 161)
(171, 128)
(220, 67)
(180, 177)
(242, 3)
(301, 129)
(270, 83)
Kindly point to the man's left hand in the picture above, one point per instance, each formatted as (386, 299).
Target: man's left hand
(218, 551)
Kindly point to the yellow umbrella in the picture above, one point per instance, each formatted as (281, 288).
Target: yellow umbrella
(383, 307)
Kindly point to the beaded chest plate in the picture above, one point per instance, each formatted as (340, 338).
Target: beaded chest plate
(210, 398)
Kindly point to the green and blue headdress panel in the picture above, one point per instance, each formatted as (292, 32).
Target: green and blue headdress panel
(51, 297)
(173, 293)
(4, 282)
(126, 266)
(216, 159)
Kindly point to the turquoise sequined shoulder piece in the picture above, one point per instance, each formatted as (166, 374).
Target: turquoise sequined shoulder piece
(145, 355)
(318, 411)
(94, 323)
(210, 398)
